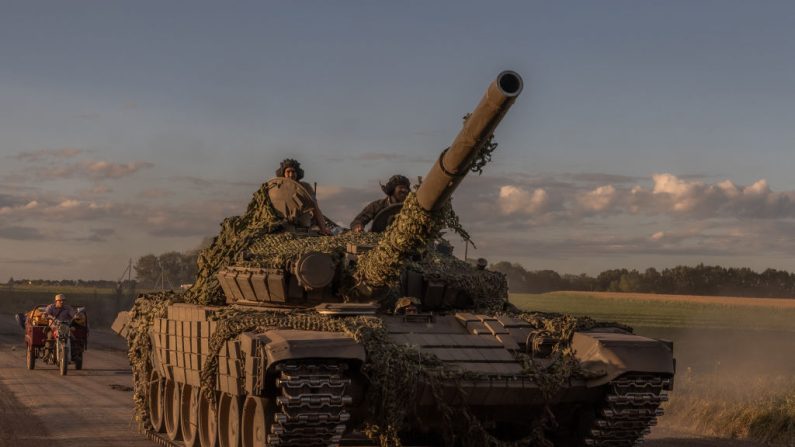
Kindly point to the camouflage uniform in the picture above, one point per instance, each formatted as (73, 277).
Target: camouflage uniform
(371, 210)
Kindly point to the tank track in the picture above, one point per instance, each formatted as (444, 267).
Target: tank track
(161, 439)
(312, 406)
(628, 411)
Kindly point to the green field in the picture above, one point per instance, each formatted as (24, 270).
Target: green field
(640, 312)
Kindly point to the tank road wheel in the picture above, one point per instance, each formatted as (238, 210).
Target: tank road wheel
(256, 421)
(229, 420)
(155, 402)
(171, 404)
(31, 357)
(208, 422)
(189, 416)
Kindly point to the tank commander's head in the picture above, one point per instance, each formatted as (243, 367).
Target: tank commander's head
(290, 168)
(397, 187)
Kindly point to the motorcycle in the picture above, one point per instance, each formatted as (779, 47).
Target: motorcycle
(65, 344)
(68, 347)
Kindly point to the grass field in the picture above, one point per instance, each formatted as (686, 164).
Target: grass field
(668, 311)
(735, 356)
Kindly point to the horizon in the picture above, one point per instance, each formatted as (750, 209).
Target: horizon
(648, 135)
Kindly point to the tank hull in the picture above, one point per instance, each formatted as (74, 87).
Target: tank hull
(282, 379)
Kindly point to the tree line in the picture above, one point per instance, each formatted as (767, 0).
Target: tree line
(680, 280)
(169, 270)
(92, 283)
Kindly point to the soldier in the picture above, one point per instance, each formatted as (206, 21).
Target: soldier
(290, 168)
(396, 190)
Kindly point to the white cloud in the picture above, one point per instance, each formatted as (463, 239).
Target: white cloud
(598, 199)
(515, 200)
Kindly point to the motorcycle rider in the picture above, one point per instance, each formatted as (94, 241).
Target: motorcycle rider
(58, 311)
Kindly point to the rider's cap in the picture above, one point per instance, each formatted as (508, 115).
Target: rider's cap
(60, 297)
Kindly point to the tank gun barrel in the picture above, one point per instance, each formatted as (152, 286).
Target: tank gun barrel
(420, 218)
(455, 162)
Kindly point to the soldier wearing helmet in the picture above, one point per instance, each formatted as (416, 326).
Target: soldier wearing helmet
(396, 190)
(291, 169)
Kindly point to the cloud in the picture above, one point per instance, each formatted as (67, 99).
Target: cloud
(598, 199)
(680, 197)
(155, 193)
(105, 169)
(601, 178)
(34, 156)
(18, 207)
(20, 233)
(8, 200)
(94, 169)
(98, 190)
(99, 234)
(515, 200)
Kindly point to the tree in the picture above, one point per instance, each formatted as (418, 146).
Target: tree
(147, 270)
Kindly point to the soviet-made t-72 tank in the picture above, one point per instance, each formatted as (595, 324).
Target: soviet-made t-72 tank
(293, 338)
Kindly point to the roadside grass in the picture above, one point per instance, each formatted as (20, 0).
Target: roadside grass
(674, 312)
(728, 406)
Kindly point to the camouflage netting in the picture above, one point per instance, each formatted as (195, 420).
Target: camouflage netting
(488, 290)
(408, 236)
(237, 234)
(146, 309)
(396, 373)
(280, 250)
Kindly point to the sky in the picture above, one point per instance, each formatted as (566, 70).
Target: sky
(649, 134)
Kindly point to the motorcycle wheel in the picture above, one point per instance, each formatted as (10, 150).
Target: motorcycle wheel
(31, 358)
(63, 360)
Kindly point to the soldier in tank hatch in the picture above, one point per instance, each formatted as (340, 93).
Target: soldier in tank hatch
(291, 168)
(396, 190)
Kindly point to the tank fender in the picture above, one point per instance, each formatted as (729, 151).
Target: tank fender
(610, 354)
(291, 344)
(120, 324)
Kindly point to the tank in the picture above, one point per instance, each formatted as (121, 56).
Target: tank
(292, 338)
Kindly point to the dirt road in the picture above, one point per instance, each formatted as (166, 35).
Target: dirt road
(93, 407)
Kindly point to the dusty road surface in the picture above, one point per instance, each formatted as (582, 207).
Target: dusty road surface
(665, 437)
(93, 407)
